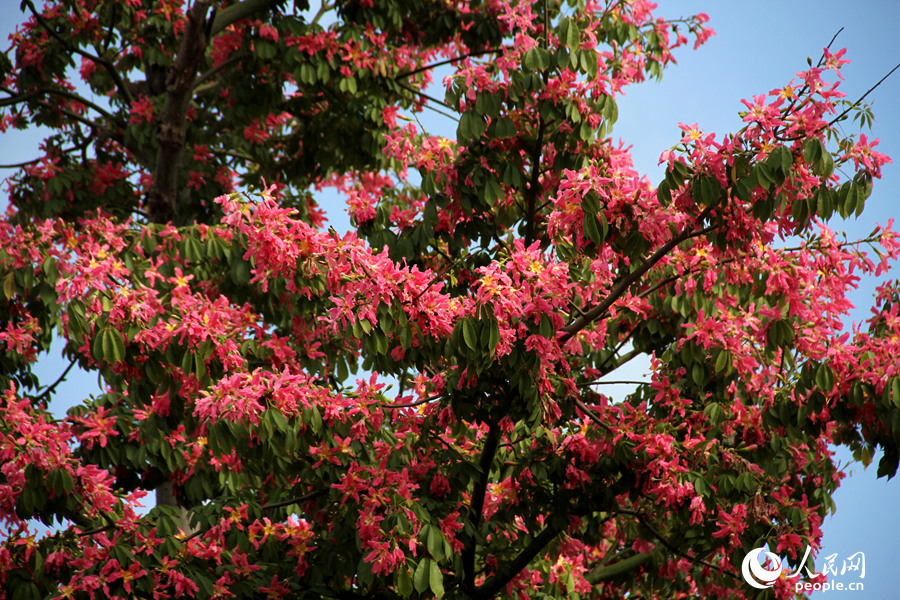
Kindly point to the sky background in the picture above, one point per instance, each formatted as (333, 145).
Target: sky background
(759, 46)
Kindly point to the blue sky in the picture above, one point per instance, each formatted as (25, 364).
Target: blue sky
(760, 46)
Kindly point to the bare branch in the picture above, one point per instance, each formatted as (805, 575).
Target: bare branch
(326, 6)
(424, 95)
(863, 97)
(591, 415)
(508, 571)
(53, 386)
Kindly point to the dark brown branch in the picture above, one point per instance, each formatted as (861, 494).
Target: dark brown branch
(53, 386)
(22, 164)
(97, 530)
(78, 99)
(508, 571)
(324, 8)
(416, 403)
(591, 414)
(173, 118)
(863, 97)
(296, 500)
(642, 519)
(476, 507)
(530, 215)
(449, 61)
(217, 69)
(424, 95)
(110, 29)
(620, 288)
(17, 98)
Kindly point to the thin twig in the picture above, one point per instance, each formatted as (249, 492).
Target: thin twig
(863, 97)
(625, 283)
(416, 403)
(106, 64)
(449, 61)
(62, 378)
(296, 500)
(592, 415)
(642, 519)
(216, 69)
(423, 95)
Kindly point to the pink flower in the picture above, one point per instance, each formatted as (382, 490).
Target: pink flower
(141, 111)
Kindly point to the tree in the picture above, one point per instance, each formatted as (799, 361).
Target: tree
(496, 281)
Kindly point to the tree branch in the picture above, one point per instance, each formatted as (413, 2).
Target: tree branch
(642, 519)
(508, 571)
(103, 62)
(77, 98)
(530, 215)
(296, 500)
(604, 572)
(173, 118)
(449, 61)
(236, 12)
(620, 288)
(424, 95)
(324, 8)
(476, 507)
(216, 69)
(51, 387)
(592, 415)
(863, 97)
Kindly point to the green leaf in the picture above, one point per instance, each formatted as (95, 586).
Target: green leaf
(492, 191)
(435, 543)
(706, 191)
(714, 412)
(573, 36)
(887, 466)
(436, 579)
(494, 337)
(404, 582)
(471, 126)
(780, 161)
(468, 331)
(895, 391)
(813, 150)
(505, 128)
(664, 193)
(824, 378)
(109, 346)
(422, 575)
(240, 272)
(591, 230)
(9, 285)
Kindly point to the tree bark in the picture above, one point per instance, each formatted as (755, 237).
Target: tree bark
(172, 132)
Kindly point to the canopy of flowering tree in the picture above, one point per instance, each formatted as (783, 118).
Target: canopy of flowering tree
(495, 281)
